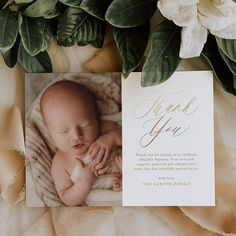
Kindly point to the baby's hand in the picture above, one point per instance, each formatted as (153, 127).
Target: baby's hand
(118, 160)
(85, 172)
(103, 171)
(117, 183)
(99, 151)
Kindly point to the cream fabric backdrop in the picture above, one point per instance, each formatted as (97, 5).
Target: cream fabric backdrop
(168, 221)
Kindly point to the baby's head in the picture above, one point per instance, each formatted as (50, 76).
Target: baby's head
(70, 114)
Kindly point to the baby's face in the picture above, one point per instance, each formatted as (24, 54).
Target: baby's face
(72, 125)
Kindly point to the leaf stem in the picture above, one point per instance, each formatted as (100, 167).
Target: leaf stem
(8, 3)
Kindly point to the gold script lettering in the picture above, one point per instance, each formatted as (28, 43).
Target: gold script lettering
(160, 113)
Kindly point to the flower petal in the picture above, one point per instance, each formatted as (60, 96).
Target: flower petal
(217, 14)
(182, 12)
(227, 33)
(193, 38)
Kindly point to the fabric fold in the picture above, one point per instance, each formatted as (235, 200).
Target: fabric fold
(222, 217)
(12, 176)
(11, 129)
(43, 226)
(181, 223)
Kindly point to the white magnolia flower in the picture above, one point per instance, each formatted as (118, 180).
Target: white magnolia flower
(196, 17)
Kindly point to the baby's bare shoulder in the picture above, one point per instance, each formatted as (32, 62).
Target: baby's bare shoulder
(60, 173)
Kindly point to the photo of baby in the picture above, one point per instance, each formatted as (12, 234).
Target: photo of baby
(86, 159)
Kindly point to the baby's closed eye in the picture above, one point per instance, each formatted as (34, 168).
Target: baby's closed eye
(63, 131)
(85, 125)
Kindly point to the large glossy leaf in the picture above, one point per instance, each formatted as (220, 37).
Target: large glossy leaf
(211, 54)
(8, 29)
(37, 64)
(72, 3)
(131, 43)
(10, 57)
(228, 46)
(163, 58)
(130, 13)
(96, 8)
(78, 26)
(55, 12)
(231, 64)
(40, 8)
(31, 32)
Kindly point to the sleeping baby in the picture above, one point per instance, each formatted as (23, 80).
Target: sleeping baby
(84, 143)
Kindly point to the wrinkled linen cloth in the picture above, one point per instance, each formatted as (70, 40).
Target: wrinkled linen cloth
(12, 146)
(16, 220)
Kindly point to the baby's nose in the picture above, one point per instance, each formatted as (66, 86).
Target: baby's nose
(77, 135)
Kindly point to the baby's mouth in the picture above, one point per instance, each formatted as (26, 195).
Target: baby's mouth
(78, 146)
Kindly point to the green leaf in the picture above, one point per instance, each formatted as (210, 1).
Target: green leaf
(130, 13)
(211, 54)
(78, 26)
(40, 8)
(31, 32)
(231, 64)
(23, 1)
(92, 31)
(68, 25)
(228, 46)
(131, 43)
(10, 57)
(163, 58)
(47, 37)
(54, 13)
(8, 30)
(72, 3)
(37, 64)
(96, 8)
(20, 20)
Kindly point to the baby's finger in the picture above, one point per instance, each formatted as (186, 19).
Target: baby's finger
(118, 162)
(100, 155)
(116, 180)
(119, 158)
(93, 150)
(96, 174)
(117, 188)
(102, 163)
(91, 147)
(104, 170)
(92, 165)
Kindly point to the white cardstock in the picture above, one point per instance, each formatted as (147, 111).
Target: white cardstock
(168, 141)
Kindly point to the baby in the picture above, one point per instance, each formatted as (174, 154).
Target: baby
(83, 142)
